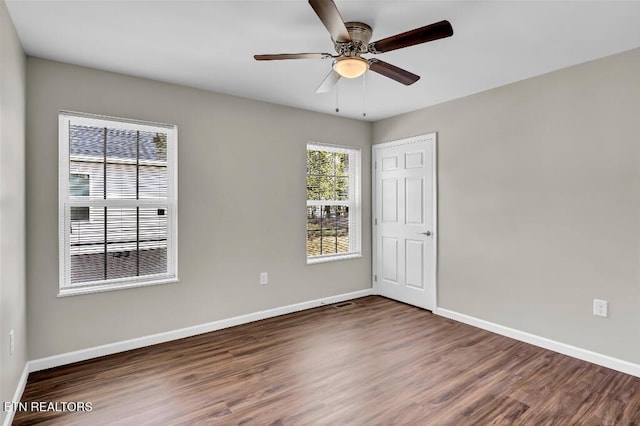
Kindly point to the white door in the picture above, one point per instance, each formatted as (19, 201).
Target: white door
(404, 220)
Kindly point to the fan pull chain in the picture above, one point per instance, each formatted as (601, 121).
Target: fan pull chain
(364, 94)
(337, 86)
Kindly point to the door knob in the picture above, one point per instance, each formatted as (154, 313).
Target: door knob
(428, 233)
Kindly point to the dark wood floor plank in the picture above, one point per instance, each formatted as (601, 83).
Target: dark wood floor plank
(374, 362)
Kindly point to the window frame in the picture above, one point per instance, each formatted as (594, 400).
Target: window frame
(66, 201)
(354, 203)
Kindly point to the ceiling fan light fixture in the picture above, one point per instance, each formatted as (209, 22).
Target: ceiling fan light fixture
(350, 67)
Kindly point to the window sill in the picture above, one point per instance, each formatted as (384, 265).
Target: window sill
(325, 259)
(77, 291)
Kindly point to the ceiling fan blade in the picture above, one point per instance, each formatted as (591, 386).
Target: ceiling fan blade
(292, 56)
(393, 72)
(431, 32)
(330, 17)
(329, 81)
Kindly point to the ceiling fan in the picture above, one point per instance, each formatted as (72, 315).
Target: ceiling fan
(351, 41)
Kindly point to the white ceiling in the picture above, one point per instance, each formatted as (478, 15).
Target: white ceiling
(210, 45)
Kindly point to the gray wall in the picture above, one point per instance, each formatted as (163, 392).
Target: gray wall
(12, 204)
(241, 208)
(539, 203)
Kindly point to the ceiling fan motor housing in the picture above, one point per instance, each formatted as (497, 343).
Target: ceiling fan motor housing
(360, 36)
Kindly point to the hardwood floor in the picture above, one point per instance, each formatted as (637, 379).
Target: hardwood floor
(373, 362)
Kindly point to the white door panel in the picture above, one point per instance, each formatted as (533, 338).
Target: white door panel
(390, 200)
(390, 259)
(390, 163)
(414, 188)
(414, 259)
(404, 221)
(414, 160)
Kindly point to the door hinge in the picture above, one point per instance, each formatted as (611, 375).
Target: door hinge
(375, 277)
(375, 221)
(375, 165)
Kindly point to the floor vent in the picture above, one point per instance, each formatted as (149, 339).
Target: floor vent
(343, 305)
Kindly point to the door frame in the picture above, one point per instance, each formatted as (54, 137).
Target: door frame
(434, 240)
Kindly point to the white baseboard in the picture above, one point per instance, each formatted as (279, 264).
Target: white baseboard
(140, 342)
(17, 396)
(563, 348)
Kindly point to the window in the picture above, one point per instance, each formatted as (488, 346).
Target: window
(118, 203)
(333, 203)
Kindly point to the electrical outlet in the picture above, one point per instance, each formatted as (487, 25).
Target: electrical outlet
(12, 343)
(600, 308)
(264, 278)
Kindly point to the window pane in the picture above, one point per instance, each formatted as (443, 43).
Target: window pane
(152, 181)
(87, 247)
(153, 146)
(86, 141)
(153, 261)
(327, 188)
(327, 175)
(314, 230)
(313, 188)
(342, 188)
(79, 185)
(136, 162)
(153, 165)
(121, 181)
(79, 214)
(342, 164)
(328, 243)
(342, 229)
(121, 163)
(321, 187)
(153, 241)
(327, 230)
(136, 242)
(87, 267)
(121, 257)
(326, 163)
(316, 162)
(95, 180)
(153, 234)
(86, 148)
(124, 226)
